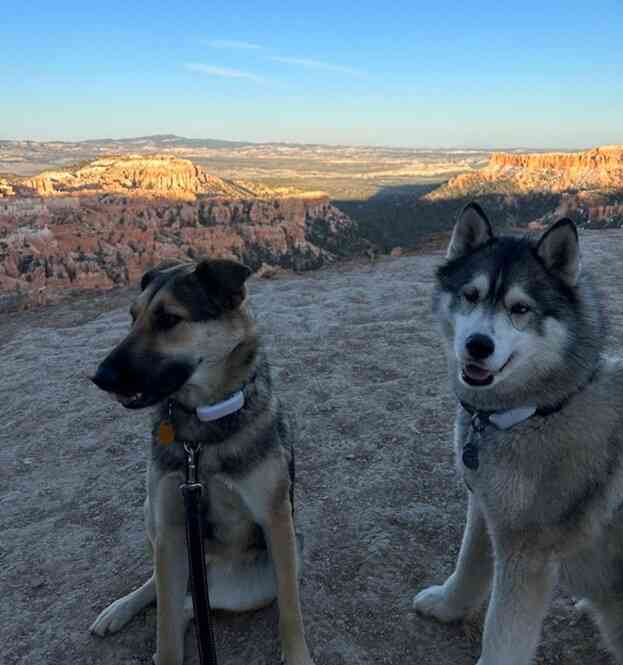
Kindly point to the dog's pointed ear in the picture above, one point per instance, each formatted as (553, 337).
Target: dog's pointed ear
(223, 280)
(151, 274)
(559, 249)
(471, 230)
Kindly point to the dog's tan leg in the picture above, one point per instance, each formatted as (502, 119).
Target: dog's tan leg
(266, 493)
(280, 528)
(171, 572)
(117, 614)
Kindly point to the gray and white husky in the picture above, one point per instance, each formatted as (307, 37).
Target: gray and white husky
(538, 436)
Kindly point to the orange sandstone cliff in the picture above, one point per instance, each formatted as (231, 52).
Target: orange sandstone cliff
(600, 168)
(539, 187)
(103, 224)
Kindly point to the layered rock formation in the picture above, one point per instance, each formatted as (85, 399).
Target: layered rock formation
(538, 187)
(598, 160)
(104, 224)
(5, 188)
(600, 168)
(515, 189)
(154, 176)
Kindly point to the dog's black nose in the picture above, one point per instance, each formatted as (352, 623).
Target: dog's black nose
(106, 378)
(480, 346)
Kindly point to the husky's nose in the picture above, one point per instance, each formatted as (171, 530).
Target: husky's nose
(106, 378)
(480, 346)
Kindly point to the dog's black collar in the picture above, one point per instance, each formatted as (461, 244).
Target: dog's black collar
(481, 419)
(485, 416)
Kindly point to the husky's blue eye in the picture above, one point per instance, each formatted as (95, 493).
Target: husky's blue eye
(520, 308)
(471, 295)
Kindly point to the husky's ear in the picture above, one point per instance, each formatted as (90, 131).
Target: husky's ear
(150, 275)
(223, 280)
(471, 230)
(559, 249)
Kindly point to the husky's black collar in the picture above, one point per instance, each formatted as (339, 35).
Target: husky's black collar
(481, 419)
(540, 410)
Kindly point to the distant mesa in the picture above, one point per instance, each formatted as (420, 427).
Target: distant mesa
(533, 190)
(100, 225)
(151, 142)
(599, 168)
(517, 190)
(138, 175)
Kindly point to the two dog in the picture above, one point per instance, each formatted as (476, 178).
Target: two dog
(537, 437)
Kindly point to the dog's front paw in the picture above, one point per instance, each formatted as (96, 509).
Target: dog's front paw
(435, 602)
(113, 618)
(304, 659)
(298, 661)
(167, 660)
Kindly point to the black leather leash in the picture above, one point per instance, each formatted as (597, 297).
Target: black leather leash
(192, 490)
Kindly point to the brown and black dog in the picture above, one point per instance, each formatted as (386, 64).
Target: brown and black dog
(193, 342)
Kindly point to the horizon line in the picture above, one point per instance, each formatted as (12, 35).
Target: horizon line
(478, 148)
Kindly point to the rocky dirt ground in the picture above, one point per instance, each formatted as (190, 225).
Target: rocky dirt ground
(356, 357)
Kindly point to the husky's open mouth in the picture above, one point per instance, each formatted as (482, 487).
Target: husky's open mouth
(477, 376)
(474, 375)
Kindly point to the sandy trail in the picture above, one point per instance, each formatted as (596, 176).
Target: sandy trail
(355, 356)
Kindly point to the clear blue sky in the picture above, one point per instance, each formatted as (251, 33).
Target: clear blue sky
(491, 74)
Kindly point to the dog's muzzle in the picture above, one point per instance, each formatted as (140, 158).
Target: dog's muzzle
(139, 388)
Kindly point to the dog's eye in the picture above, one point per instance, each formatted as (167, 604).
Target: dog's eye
(166, 320)
(471, 295)
(520, 308)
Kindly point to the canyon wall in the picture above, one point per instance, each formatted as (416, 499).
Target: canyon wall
(154, 176)
(510, 173)
(604, 158)
(104, 224)
(537, 188)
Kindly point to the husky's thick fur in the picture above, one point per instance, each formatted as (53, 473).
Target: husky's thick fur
(193, 342)
(525, 330)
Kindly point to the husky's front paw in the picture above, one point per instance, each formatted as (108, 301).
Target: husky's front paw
(434, 602)
(583, 607)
